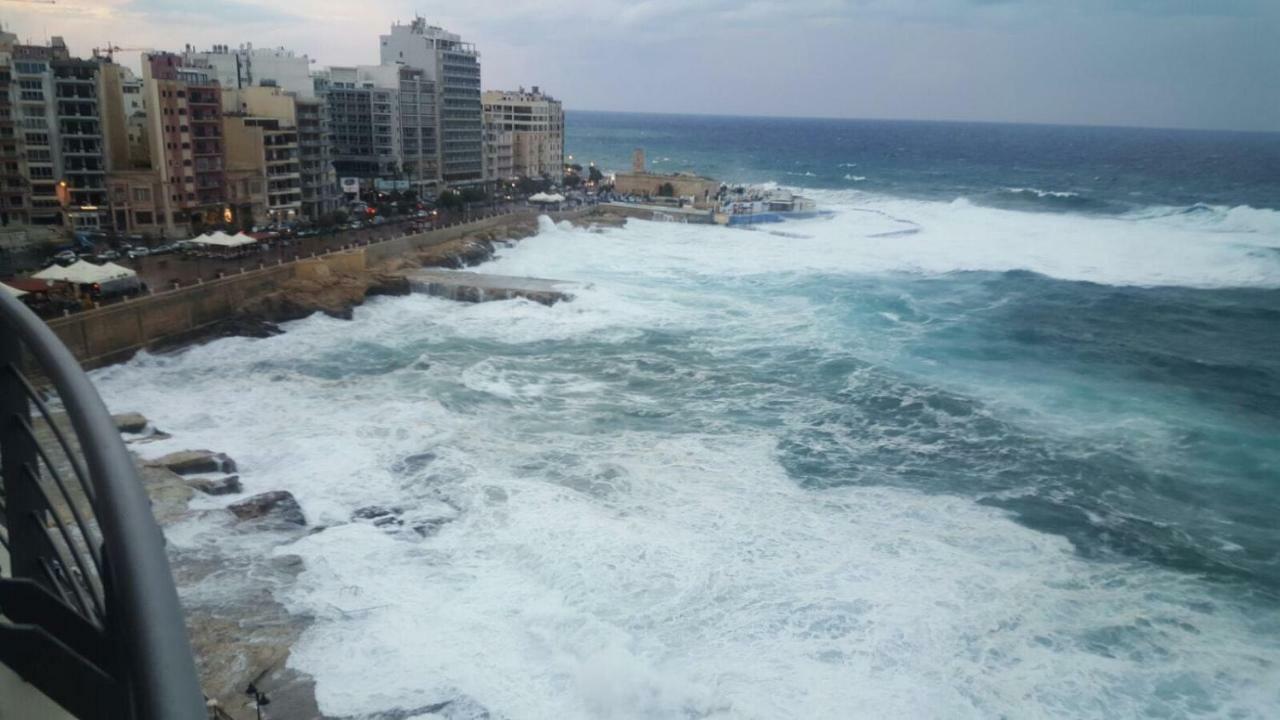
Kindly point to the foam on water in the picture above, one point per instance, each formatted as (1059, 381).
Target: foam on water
(606, 551)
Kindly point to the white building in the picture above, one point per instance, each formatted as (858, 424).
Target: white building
(453, 68)
(247, 66)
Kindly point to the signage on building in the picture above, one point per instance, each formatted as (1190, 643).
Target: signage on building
(390, 185)
(350, 185)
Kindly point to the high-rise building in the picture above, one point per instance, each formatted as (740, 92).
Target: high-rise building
(15, 187)
(499, 146)
(454, 67)
(184, 106)
(134, 187)
(419, 150)
(535, 122)
(364, 120)
(247, 66)
(319, 181)
(56, 138)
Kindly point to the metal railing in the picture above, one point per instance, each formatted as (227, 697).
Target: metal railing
(89, 615)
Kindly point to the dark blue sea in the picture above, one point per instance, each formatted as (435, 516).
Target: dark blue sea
(998, 438)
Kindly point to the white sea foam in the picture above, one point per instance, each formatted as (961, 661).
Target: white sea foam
(596, 572)
(947, 237)
(1044, 193)
(855, 178)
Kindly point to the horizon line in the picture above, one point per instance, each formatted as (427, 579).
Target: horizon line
(952, 121)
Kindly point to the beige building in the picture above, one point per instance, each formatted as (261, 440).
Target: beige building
(536, 124)
(641, 182)
(135, 201)
(499, 151)
(264, 182)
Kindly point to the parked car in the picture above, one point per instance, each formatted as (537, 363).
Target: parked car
(66, 257)
(138, 252)
(107, 255)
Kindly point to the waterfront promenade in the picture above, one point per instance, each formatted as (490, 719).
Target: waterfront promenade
(114, 332)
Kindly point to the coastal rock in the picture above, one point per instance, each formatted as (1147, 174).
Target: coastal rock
(168, 493)
(386, 284)
(413, 463)
(131, 422)
(192, 462)
(228, 485)
(277, 504)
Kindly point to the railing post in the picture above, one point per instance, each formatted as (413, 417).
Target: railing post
(17, 450)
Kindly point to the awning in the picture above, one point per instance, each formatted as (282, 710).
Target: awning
(12, 290)
(545, 198)
(218, 238)
(85, 273)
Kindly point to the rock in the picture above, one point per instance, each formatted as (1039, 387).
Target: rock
(228, 485)
(383, 284)
(130, 422)
(277, 504)
(372, 512)
(413, 463)
(191, 462)
(169, 495)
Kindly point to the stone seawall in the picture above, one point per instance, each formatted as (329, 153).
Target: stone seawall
(113, 333)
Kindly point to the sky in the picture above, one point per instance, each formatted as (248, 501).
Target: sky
(1154, 63)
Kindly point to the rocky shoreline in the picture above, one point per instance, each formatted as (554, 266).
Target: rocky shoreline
(222, 542)
(337, 294)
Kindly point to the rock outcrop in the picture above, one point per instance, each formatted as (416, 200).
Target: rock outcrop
(226, 485)
(275, 505)
(132, 422)
(192, 462)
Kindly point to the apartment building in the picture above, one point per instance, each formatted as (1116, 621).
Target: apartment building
(535, 122)
(184, 106)
(454, 66)
(364, 120)
(246, 66)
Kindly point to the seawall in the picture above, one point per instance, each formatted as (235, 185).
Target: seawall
(115, 332)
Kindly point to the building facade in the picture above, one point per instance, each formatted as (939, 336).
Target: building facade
(364, 127)
(54, 171)
(454, 66)
(535, 122)
(184, 107)
(420, 161)
(247, 66)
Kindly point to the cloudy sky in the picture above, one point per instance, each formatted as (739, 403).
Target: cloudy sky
(1165, 63)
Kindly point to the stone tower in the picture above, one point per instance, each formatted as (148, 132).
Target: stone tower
(637, 160)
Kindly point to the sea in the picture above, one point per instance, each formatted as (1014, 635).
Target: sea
(999, 438)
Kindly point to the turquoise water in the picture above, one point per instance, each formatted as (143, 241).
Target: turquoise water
(934, 456)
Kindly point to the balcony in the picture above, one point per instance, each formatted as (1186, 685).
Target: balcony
(91, 618)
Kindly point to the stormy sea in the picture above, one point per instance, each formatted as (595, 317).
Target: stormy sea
(1000, 438)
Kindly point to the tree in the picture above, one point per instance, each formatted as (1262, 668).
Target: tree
(529, 186)
(473, 195)
(666, 190)
(450, 200)
(571, 181)
(594, 174)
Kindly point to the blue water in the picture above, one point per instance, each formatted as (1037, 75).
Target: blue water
(955, 451)
(1095, 169)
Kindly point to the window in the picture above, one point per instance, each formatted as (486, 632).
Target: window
(120, 194)
(142, 195)
(30, 68)
(43, 173)
(143, 218)
(37, 139)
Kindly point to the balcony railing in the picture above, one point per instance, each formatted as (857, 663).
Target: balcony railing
(89, 615)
